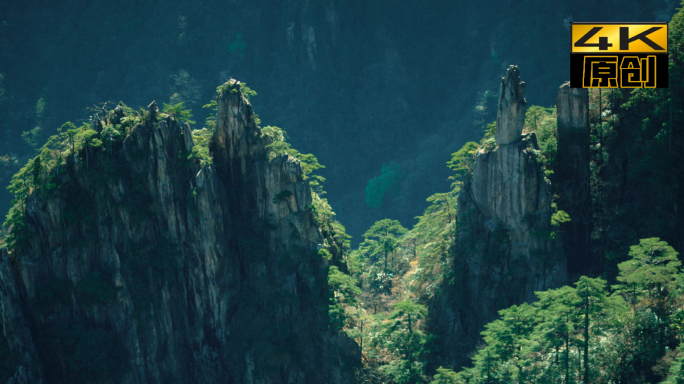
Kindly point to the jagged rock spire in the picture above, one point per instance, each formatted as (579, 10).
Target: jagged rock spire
(510, 117)
(152, 108)
(573, 109)
(499, 257)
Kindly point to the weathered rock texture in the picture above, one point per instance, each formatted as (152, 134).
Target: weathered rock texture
(503, 252)
(150, 269)
(572, 172)
(17, 351)
(510, 116)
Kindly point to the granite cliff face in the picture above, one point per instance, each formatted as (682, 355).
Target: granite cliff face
(573, 174)
(503, 251)
(147, 268)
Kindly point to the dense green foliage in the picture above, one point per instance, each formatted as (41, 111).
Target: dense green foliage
(589, 334)
(582, 333)
(246, 91)
(179, 112)
(344, 293)
(542, 121)
(397, 270)
(70, 146)
(200, 151)
(462, 160)
(382, 240)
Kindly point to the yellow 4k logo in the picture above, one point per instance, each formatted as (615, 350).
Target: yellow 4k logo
(619, 38)
(618, 55)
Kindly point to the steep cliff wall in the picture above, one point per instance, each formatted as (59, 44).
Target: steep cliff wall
(140, 266)
(19, 361)
(503, 251)
(572, 175)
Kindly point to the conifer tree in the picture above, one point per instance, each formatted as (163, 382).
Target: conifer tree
(383, 237)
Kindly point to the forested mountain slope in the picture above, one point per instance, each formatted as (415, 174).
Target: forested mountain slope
(618, 319)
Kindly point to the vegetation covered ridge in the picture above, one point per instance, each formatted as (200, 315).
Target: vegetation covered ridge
(126, 174)
(103, 136)
(73, 147)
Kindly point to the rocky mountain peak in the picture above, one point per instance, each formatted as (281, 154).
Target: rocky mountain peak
(503, 251)
(510, 116)
(146, 266)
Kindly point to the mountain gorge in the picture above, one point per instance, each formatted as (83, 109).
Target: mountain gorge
(138, 249)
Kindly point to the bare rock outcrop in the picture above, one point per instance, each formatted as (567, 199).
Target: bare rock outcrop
(503, 251)
(16, 345)
(148, 268)
(510, 116)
